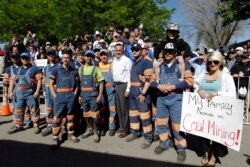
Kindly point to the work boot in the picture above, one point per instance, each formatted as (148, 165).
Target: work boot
(146, 144)
(96, 138)
(171, 143)
(72, 138)
(15, 130)
(131, 137)
(111, 132)
(87, 133)
(55, 145)
(36, 130)
(156, 137)
(159, 150)
(47, 131)
(28, 124)
(181, 156)
(64, 135)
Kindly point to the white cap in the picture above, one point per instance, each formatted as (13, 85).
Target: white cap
(239, 48)
(97, 33)
(210, 50)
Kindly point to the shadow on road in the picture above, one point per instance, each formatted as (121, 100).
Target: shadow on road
(14, 153)
(248, 158)
(6, 122)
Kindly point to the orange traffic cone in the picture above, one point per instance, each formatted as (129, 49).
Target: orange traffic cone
(5, 107)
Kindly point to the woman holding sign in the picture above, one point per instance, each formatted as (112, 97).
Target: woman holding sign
(214, 83)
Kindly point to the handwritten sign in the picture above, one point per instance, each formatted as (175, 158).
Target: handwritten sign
(41, 62)
(220, 119)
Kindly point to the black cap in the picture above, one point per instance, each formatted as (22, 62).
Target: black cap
(170, 46)
(136, 46)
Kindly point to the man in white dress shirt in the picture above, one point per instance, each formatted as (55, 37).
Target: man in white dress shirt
(121, 73)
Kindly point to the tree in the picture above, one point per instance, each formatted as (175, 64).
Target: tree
(60, 19)
(234, 10)
(207, 23)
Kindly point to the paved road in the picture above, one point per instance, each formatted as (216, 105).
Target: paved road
(27, 149)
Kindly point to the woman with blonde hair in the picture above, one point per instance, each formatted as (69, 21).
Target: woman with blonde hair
(214, 83)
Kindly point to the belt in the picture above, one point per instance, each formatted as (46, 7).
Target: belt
(87, 89)
(64, 90)
(108, 84)
(119, 83)
(23, 87)
(135, 84)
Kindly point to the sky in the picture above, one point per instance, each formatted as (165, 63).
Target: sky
(178, 17)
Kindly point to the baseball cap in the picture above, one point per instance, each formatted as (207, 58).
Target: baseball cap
(101, 41)
(126, 30)
(170, 46)
(24, 54)
(89, 53)
(97, 48)
(145, 46)
(201, 52)
(136, 47)
(97, 33)
(239, 48)
(48, 43)
(103, 51)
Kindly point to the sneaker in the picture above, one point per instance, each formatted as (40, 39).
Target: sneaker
(181, 156)
(146, 144)
(72, 138)
(47, 131)
(111, 132)
(102, 133)
(15, 130)
(36, 130)
(131, 137)
(87, 134)
(96, 138)
(55, 145)
(159, 150)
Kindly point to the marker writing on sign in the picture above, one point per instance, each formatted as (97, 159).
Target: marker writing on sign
(208, 128)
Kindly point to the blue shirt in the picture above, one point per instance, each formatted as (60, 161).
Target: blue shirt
(199, 67)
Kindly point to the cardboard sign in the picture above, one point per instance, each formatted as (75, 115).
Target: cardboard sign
(220, 119)
(41, 62)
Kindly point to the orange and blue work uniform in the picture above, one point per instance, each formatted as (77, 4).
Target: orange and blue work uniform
(109, 93)
(49, 98)
(66, 81)
(169, 105)
(140, 112)
(9, 74)
(25, 86)
(90, 76)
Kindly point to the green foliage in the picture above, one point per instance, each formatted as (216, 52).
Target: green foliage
(57, 19)
(234, 10)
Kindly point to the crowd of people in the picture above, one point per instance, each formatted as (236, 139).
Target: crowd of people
(120, 83)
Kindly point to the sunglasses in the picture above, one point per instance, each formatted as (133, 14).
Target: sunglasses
(135, 50)
(169, 51)
(215, 62)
